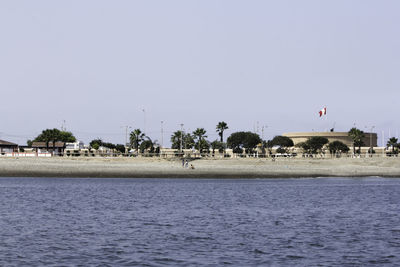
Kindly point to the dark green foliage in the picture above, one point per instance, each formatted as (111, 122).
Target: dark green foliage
(247, 140)
(55, 135)
(393, 142)
(29, 143)
(269, 145)
(282, 141)
(201, 144)
(357, 136)
(120, 148)
(313, 145)
(305, 146)
(280, 150)
(136, 137)
(217, 145)
(187, 140)
(147, 145)
(96, 143)
(316, 143)
(337, 147)
(221, 127)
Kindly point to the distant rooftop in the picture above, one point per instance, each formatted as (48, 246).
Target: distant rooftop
(6, 143)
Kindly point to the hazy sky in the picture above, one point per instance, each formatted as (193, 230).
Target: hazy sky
(98, 64)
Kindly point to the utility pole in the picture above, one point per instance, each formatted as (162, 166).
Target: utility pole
(370, 140)
(63, 127)
(181, 137)
(162, 134)
(144, 121)
(126, 134)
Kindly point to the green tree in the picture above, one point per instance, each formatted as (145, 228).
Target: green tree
(147, 145)
(199, 134)
(337, 147)
(54, 135)
(316, 143)
(187, 140)
(393, 142)
(221, 127)
(217, 145)
(120, 148)
(243, 140)
(96, 143)
(357, 137)
(135, 138)
(305, 146)
(283, 142)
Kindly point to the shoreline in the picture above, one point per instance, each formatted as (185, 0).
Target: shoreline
(204, 168)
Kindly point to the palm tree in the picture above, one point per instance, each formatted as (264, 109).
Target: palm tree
(221, 127)
(200, 133)
(187, 140)
(392, 143)
(136, 137)
(357, 136)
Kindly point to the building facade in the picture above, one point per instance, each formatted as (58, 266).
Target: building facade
(370, 139)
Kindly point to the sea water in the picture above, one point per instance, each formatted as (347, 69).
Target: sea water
(199, 222)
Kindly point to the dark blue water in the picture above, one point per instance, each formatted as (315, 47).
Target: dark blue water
(189, 222)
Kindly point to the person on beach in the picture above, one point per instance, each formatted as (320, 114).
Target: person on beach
(186, 164)
(183, 163)
(191, 166)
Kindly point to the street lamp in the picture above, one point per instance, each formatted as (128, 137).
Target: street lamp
(370, 139)
(162, 134)
(181, 137)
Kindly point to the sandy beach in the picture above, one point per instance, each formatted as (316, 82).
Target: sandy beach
(204, 168)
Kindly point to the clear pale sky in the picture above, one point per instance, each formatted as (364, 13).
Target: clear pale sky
(98, 64)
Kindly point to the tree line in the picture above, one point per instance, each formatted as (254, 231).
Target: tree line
(239, 142)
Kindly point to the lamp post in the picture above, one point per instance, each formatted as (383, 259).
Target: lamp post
(162, 134)
(370, 139)
(126, 135)
(181, 137)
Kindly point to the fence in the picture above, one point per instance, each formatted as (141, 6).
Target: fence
(194, 155)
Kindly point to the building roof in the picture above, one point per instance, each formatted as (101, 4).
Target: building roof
(43, 144)
(6, 143)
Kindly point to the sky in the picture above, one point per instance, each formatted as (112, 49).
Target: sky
(102, 65)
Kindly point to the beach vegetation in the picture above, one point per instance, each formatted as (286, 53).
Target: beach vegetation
(187, 140)
(54, 135)
(393, 143)
(268, 145)
(136, 138)
(217, 145)
(96, 143)
(120, 148)
(240, 141)
(221, 127)
(316, 143)
(283, 142)
(357, 137)
(199, 134)
(29, 143)
(337, 147)
(149, 146)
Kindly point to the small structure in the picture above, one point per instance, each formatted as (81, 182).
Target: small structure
(56, 149)
(7, 147)
(370, 139)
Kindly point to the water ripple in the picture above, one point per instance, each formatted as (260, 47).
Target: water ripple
(188, 222)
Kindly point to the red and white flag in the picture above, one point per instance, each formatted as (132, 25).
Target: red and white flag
(322, 112)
